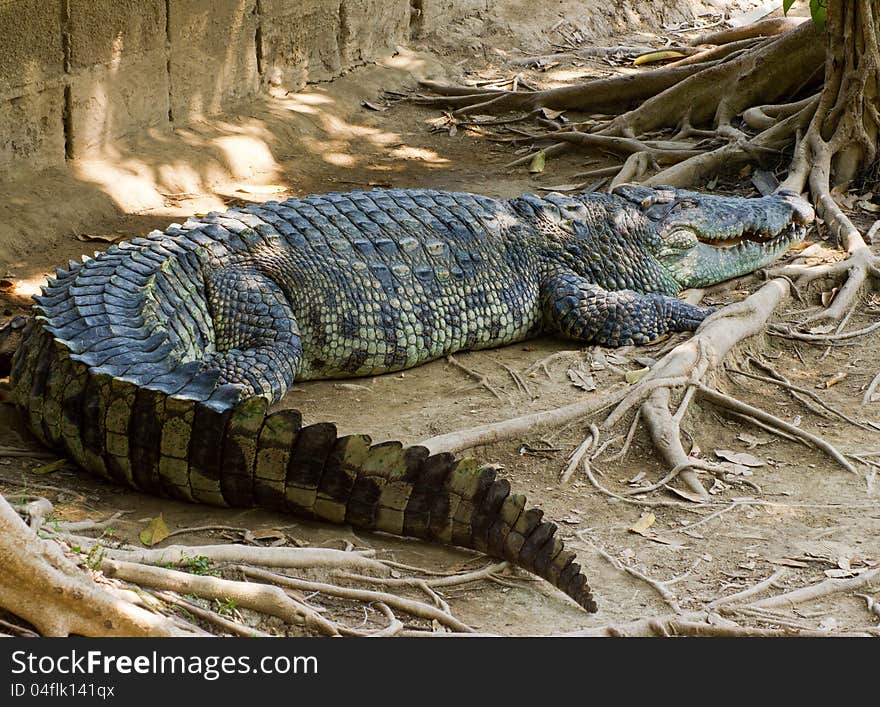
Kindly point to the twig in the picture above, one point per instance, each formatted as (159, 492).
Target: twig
(814, 591)
(210, 616)
(579, 453)
(415, 608)
(750, 591)
(260, 597)
(656, 585)
(739, 406)
(481, 380)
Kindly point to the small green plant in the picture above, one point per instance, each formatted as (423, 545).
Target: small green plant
(226, 607)
(198, 565)
(818, 10)
(95, 556)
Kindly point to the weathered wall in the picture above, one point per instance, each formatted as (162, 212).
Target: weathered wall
(76, 75)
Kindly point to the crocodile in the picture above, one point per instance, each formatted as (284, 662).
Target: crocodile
(154, 364)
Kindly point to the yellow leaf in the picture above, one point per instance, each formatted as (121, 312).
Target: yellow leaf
(836, 378)
(537, 163)
(155, 532)
(636, 376)
(654, 57)
(49, 468)
(645, 521)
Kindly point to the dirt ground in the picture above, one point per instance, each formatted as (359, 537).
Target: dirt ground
(797, 510)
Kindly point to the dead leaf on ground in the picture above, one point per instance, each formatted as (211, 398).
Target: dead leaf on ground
(788, 562)
(636, 376)
(537, 164)
(563, 187)
(743, 458)
(49, 468)
(686, 495)
(155, 532)
(372, 106)
(551, 114)
(836, 378)
(645, 521)
(7, 285)
(751, 440)
(97, 237)
(827, 296)
(581, 378)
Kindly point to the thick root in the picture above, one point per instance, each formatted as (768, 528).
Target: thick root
(46, 588)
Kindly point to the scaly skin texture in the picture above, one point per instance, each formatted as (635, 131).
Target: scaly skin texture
(154, 363)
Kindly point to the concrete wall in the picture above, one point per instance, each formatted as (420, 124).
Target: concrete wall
(75, 75)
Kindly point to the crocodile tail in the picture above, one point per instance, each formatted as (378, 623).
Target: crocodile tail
(207, 446)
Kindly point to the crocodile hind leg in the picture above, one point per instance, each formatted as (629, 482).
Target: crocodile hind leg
(257, 340)
(581, 310)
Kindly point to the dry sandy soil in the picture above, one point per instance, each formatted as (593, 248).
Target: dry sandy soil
(798, 510)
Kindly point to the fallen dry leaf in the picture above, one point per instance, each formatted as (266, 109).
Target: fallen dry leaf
(537, 163)
(752, 440)
(49, 468)
(743, 458)
(261, 189)
(788, 562)
(92, 237)
(836, 378)
(155, 532)
(636, 376)
(645, 521)
(580, 378)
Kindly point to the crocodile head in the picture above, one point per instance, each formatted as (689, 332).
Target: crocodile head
(702, 239)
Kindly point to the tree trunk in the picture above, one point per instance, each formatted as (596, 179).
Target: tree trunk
(848, 110)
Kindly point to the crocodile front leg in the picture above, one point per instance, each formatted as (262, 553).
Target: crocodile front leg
(581, 310)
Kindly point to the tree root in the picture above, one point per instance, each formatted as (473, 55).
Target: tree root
(45, 587)
(107, 608)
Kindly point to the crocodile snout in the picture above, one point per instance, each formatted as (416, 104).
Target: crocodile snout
(803, 213)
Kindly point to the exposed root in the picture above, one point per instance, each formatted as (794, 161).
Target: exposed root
(726, 401)
(762, 28)
(264, 598)
(519, 426)
(45, 587)
(412, 607)
(482, 381)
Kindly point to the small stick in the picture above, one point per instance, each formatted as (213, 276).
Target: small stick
(872, 387)
(656, 585)
(739, 406)
(416, 608)
(478, 377)
(636, 502)
(579, 454)
(783, 382)
(829, 586)
(629, 438)
(750, 591)
(211, 616)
